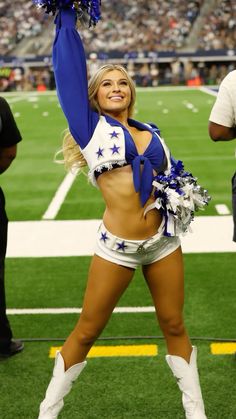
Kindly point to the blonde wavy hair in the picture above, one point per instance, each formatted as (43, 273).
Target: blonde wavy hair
(73, 158)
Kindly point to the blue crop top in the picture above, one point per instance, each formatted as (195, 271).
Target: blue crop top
(69, 63)
(152, 159)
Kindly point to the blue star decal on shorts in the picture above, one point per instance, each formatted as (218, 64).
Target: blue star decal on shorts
(114, 134)
(121, 246)
(115, 149)
(100, 152)
(104, 237)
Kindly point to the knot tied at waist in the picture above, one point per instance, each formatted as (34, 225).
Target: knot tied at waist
(142, 178)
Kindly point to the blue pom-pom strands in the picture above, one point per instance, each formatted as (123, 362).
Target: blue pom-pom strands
(178, 196)
(91, 7)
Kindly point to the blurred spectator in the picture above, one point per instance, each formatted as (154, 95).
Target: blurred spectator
(137, 30)
(93, 64)
(18, 20)
(154, 73)
(151, 24)
(213, 74)
(176, 68)
(144, 74)
(136, 25)
(21, 79)
(219, 30)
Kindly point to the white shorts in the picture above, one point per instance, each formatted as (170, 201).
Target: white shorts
(133, 253)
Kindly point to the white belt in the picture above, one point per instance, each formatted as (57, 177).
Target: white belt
(126, 246)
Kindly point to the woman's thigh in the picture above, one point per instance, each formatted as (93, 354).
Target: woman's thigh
(106, 283)
(165, 279)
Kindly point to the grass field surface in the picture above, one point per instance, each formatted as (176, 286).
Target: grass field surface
(115, 387)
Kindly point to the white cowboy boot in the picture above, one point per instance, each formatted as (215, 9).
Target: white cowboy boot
(188, 382)
(59, 386)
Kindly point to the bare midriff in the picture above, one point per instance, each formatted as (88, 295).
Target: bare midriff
(124, 214)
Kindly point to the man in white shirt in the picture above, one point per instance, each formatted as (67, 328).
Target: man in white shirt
(222, 123)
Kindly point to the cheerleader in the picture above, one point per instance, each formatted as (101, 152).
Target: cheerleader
(149, 201)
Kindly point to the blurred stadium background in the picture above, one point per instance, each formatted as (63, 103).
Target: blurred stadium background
(177, 52)
(161, 42)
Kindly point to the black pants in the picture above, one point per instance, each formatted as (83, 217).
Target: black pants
(234, 204)
(5, 329)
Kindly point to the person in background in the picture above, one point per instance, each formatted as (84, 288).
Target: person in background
(9, 137)
(222, 124)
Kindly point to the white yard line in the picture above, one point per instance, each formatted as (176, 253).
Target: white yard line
(167, 89)
(14, 100)
(222, 209)
(75, 310)
(59, 196)
(29, 94)
(208, 91)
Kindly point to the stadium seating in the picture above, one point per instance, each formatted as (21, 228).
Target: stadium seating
(134, 33)
(18, 19)
(143, 24)
(137, 25)
(219, 27)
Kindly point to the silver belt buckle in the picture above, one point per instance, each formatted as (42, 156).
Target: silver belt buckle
(140, 248)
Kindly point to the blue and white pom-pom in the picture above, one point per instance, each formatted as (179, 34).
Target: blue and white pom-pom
(178, 196)
(91, 7)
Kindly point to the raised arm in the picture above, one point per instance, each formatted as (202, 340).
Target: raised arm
(70, 70)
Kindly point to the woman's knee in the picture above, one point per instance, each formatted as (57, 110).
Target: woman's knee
(86, 335)
(172, 326)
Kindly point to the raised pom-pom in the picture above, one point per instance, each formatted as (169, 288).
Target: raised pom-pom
(90, 7)
(178, 196)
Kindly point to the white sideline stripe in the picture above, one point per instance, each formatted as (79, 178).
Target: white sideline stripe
(59, 196)
(77, 237)
(208, 91)
(222, 209)
(167, 89)
(29, 94)
(66, 310)
(16, 99)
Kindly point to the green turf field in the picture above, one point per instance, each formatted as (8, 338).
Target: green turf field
(127, 387)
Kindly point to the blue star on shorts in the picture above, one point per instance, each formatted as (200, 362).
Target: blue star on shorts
(104, 237)
(121, 246)
(114, 134)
